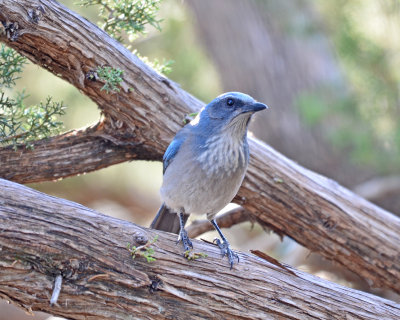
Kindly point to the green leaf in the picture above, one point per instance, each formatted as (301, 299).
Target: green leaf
(111, 78)
(11, 64)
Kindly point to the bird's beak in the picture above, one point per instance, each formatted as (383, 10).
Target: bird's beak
(253, 107)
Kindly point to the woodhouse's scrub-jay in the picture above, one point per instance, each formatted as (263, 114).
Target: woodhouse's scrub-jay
(205, 164)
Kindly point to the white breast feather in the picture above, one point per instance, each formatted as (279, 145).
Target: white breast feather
(222, 154)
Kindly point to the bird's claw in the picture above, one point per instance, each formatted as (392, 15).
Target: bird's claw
(183, 236)
(226, 251)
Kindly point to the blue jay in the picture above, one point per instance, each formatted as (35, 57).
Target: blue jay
(204, 166)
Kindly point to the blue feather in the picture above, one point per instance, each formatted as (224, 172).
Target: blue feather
(172, 150)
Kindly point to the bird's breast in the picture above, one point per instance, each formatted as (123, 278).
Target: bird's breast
(206, 178)
(221, 155)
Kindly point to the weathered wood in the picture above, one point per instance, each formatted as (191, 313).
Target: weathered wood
(323, 216)
(64, 155)
(149, 109)
(43, 236)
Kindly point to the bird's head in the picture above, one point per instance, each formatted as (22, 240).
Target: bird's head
(231, 110)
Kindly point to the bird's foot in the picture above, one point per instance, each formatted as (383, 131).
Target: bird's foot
(183, 237)
(227, 251)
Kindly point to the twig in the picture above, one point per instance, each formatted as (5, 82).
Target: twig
(56, 290)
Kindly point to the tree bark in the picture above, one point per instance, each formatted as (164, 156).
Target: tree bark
(148, 110)
(101, 281)
(76, 151)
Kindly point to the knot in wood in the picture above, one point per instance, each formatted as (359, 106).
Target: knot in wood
(155, 283)
(71, 268)
(328, 223)
(141, 239)
(46, 62)
(11, 30)
(92, 75)
(36, 14)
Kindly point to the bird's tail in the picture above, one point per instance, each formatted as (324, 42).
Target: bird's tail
(167, 220)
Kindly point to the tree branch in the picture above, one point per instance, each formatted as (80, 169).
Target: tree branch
(149, 109)
(101, 281)
(75, 151)
(226, 220)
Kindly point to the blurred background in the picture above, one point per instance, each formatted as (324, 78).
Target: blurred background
(330, 72)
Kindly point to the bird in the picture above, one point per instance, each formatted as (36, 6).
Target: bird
(204, 167)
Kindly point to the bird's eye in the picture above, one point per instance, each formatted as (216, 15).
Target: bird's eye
(230, 102)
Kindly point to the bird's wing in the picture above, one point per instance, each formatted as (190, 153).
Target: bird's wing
(172, 150)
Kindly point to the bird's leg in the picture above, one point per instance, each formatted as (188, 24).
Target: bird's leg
(224, 245)
(183, 236)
